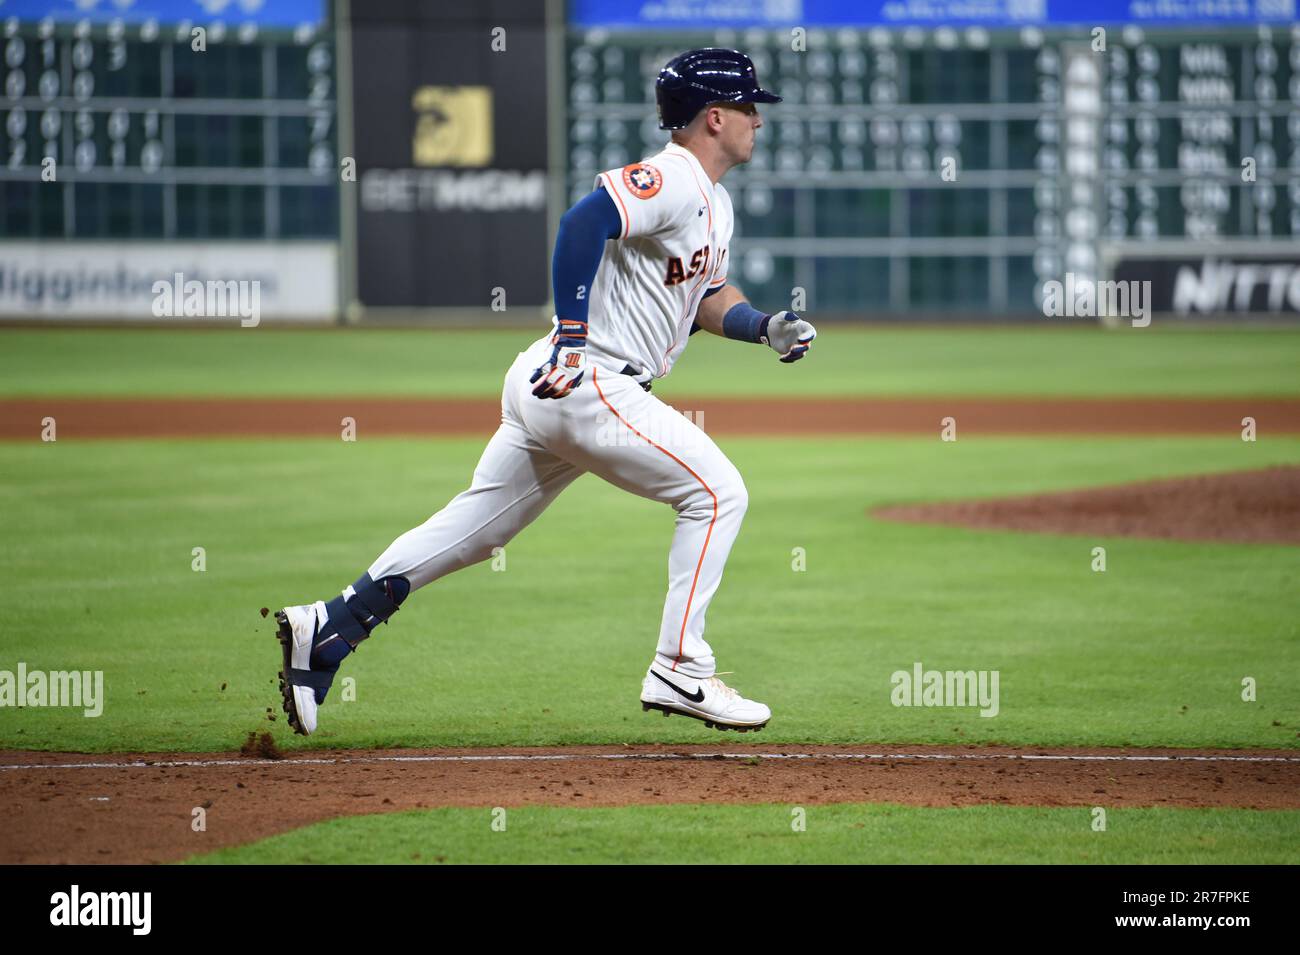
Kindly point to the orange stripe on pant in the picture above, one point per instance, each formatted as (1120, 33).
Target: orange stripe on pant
(713, 520)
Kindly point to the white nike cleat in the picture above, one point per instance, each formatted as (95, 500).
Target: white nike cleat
(298, 627)
(710, 700)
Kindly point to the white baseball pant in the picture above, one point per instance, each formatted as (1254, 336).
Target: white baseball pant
(613, 428)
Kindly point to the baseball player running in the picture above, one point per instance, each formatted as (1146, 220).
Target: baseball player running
(640, 265)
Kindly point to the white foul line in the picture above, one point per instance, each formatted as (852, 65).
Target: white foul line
(557, 757)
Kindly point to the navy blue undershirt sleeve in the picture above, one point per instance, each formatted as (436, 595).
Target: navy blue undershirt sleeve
(579, 244)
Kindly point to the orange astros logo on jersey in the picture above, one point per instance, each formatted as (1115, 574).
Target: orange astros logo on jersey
(677, 272)
(642, 179)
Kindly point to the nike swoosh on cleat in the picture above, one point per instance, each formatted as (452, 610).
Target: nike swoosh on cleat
(697, 697)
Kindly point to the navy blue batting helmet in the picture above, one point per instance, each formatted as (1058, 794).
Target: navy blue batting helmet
(697, 78)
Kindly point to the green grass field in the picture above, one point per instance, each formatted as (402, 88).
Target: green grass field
(847, 360)
(1150, 652)
(99, 539)
(843, 833)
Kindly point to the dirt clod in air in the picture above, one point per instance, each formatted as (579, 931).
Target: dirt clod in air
(260, 746)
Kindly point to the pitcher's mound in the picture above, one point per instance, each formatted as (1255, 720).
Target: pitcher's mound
(1243, 506)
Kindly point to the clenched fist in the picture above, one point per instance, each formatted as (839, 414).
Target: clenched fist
(789, 335)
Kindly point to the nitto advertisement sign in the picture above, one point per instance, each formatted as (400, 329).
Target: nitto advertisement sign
(451, 151)
(1219, 285)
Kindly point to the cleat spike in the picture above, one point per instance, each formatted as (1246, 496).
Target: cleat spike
(710, 722)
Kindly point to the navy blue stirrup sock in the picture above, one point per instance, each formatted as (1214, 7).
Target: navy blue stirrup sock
(352, 615)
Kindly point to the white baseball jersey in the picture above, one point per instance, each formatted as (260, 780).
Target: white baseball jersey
(673, 248)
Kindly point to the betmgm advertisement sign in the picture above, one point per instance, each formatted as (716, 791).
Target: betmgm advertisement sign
(449, 118)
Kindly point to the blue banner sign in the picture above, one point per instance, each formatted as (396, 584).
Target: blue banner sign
(686, 14)
(267, 13)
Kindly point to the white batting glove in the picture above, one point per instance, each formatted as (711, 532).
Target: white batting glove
(561, 374)
(565, 368)
(789, 335)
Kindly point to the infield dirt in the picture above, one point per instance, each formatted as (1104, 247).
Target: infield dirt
(137, 808)
(320, 417)
(131, 808)
(1244, 507)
